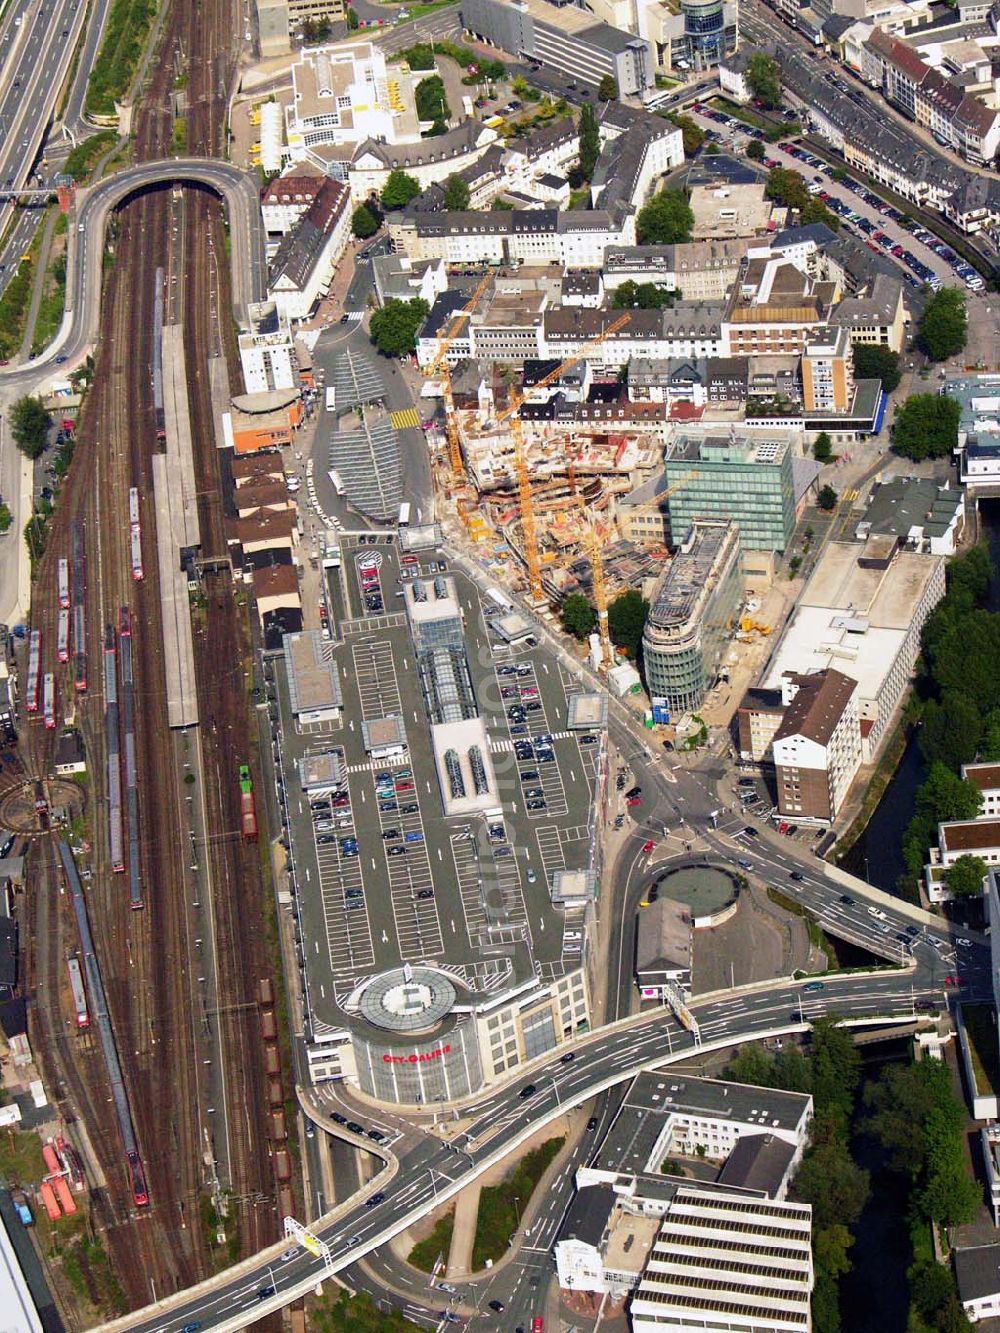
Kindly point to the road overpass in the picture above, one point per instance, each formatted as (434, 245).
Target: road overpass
(431, 1170)
(85, 254)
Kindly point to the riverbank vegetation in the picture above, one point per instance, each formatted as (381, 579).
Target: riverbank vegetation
(960, 714)
(911, 1111)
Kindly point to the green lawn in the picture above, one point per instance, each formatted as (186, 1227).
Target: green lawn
(426, 1252)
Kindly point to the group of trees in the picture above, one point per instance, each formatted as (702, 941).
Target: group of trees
(943, 325)
(872, 361)
(394, 327)
(364, 222)
(666, 220)
(926, 426)
(317, 30)
(631, 295)
(29, 424)
(125, 33)
(626, 619)
(960, 714)
(763, 78)
(399, 189)
(787, 187)
(828, 1178)
(607, 89)
(692, 135)
(430, 99)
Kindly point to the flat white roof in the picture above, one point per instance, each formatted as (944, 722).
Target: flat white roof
(460, 737)
(814, 640)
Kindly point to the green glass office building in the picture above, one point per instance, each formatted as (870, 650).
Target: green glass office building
(725, 475)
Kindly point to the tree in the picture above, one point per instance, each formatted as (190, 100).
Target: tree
(692, 135)
(948, 1196)
(836, 1072)
(430, 99)
(926, 426)
(965, 878)
(833, 1184)
(394, 327)
(590, 141)
(399, 189)
(353, 22)
(456, 194)
(874, 362)
(607, 89)
(756, 151)
(631, 295)
(823, 448)
(787, 187)
(578, 616)
(626, 618)
(827, 498)
(364, 223)
(950, 729)
(763, 78)
(943, 325)
(29, 425)
(815, 211)
(666, 220)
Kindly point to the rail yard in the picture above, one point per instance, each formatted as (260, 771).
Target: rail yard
(147, 972)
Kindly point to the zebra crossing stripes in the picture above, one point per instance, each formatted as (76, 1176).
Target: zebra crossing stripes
(404, 418)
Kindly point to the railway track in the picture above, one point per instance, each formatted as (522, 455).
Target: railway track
(144, 955)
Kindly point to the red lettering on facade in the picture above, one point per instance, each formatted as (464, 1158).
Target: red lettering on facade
(416, 1057)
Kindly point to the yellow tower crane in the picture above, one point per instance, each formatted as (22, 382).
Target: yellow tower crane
(529, 527)
(440, 365)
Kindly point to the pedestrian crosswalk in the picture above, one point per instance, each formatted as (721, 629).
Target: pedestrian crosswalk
(354, 316)
(405, 417)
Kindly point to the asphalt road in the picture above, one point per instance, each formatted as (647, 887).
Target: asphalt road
(86, 251)
(428, 1169)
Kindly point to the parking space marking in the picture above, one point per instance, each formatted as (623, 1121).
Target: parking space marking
(415, 918)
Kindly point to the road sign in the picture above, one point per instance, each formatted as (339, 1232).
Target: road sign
(308, 1240)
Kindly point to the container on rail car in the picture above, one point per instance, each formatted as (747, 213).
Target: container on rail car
(63, 580)
(62, 635)
(49, 691)
(66, 1200)
(248, 809)
(79, 994)
(135, 537)
(133, 506)
(32, 686)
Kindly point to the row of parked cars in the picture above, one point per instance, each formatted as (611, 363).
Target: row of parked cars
(922, 273)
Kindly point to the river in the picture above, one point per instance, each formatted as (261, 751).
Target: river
(877, 855)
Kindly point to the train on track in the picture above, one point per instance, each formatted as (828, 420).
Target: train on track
(49, 700)
(115, 842)
(79, 648)
(135, 535)
(79, 993)
(161, 427)
(33, 681)
(248, 807)
(63, 581)
(62, 635)
(79, 613)
(102, 1021)
(131, 774)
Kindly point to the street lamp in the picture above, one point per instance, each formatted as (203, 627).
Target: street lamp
(517, 1211)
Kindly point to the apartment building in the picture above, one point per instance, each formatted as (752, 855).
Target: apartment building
(692, 613)
(828, 372)
(700, 270)
(775, 309)
(575, 239)
(817, 746)
(686, 329)
(304, 264)
(875, 319)
(285, 200)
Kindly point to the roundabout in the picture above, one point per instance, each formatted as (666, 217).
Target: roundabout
(710, 892)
